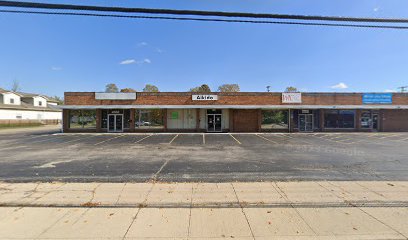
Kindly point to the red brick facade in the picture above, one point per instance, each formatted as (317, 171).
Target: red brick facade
(249, 120)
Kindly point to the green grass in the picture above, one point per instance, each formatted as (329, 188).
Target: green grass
(22, 125)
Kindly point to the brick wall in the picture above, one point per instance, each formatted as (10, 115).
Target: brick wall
(241, 98)
(394, 120)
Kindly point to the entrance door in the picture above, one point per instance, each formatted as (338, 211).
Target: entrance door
(375, 122)
(115, 123)
(214, 122)
(306, 122)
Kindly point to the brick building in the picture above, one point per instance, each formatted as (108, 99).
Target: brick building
(234, 112)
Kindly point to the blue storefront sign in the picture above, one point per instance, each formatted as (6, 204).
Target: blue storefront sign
(377, 98)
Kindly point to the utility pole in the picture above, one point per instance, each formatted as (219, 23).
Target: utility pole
(267, 88)
(403, 88)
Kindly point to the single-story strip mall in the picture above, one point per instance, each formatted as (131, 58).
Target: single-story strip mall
(234, 112)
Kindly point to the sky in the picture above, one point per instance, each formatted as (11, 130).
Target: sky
(54, 54)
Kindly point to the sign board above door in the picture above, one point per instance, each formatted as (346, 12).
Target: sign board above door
(291, 97)
(377, 98)
(204, 97)
(115, 96)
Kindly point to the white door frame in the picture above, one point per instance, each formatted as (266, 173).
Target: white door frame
(114, 121)
(306, 114)
(214, 115)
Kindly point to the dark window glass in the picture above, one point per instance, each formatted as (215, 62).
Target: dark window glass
(126, 118)
(104, 120)
(339, 118)
(82, 119)
(12, 100)
(149, 118)
(214, 111)
(274, 119)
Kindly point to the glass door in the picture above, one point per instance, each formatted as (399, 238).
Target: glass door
(306, 122)
(115, 123)
(214, 122)
(375, 122)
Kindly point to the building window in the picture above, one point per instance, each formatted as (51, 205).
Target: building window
(39, 103)
(149, 118)
(82, 119)
(11, 100)
(19, 116)
(274, 119)
(339, 119)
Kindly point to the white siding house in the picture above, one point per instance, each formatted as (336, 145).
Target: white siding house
(27, 106)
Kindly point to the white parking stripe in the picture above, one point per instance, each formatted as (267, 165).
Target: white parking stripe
(143, 138)
(266, 139)
(235, 139)
(173, 139)
(203, 138)
(107, 140)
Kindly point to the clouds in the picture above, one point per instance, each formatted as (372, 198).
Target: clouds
(339, 86)
(56, 68)
(127, 61)
(134, 61)
(389, 91)
(376, 9)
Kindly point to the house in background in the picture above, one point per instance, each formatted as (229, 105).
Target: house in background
(28, 107)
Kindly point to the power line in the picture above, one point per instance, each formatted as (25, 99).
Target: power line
(196, 12)
(209, 19)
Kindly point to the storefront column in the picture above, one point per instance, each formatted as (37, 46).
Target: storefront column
(259, 120)
(231, 120)
(291, 123)
(132, 120)
(197, 120)
(358, 120)
(321, 120)
(165, 120)
(65, 120)
(98, 120)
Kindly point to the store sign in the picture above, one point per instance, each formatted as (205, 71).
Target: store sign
(115, 96)
(174, 115)
(291, 97)
(377, 98)
(205, 97)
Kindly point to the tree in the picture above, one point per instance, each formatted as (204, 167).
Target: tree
(59, 100)
(15, 87)
(150, 88)
(111, 88)
(203, 88)
(127, 90)
(229, 88)
(291, 89)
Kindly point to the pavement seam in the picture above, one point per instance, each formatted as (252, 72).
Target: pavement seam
(120, 194)
(359, 208)
(191, 207)
(243, 212)
(283, 194)
(52, 225)
(138, 211)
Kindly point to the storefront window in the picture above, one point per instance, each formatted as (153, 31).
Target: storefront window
(339, 119)
(149, 119)
(82, 119)
(366, 120)
(274, 119)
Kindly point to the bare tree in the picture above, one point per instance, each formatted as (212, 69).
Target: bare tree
(111, 88)
(229, 88)
(127, 90)
(15, 87)
(150, 88)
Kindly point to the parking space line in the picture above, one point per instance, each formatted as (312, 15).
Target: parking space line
(235, 139)
(203, 138)
(143, 138)
(173, 139)
(107, 140)
(266, 139)
(77, 139)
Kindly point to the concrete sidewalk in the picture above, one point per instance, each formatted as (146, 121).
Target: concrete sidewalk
(265, 210)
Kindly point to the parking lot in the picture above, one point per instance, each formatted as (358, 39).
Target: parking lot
(203, 157)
